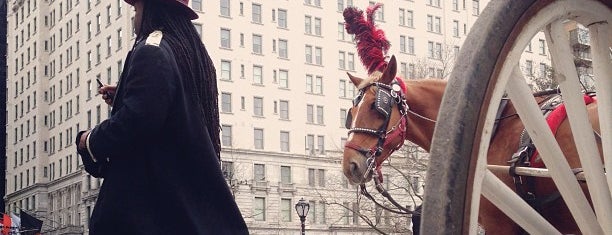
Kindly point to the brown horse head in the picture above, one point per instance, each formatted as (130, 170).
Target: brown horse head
(376, 123)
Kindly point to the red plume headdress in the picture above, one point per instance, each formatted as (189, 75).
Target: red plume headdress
(372, 45)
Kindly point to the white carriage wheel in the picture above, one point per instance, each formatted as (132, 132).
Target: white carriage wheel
(484, 71)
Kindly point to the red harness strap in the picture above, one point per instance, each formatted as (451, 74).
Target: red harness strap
(554, 120)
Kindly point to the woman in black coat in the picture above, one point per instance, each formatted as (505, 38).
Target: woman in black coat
(159, 151)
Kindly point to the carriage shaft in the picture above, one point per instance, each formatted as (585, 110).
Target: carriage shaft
(531, 171)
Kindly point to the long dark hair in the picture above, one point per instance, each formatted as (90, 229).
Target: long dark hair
(191, 56)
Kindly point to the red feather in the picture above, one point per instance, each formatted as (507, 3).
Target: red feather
(372, 45)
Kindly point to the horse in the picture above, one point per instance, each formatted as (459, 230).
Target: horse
(374, 133)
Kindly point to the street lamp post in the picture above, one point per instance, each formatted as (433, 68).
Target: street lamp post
(302, 208)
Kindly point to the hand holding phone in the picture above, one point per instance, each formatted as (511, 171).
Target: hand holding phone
(100, 85)
(106, 93)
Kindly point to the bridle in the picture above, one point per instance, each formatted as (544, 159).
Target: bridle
(386, 97)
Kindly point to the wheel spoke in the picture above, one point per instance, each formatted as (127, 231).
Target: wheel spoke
(551, 154)
(514, 206)
(602, 69)
(582, 129)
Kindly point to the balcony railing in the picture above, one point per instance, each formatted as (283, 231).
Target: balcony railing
(579, 37)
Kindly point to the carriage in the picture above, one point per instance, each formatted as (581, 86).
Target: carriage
(471, 146)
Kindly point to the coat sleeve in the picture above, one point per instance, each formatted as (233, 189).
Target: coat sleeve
(148, 93)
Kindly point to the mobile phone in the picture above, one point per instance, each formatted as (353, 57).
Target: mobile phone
(99, 83)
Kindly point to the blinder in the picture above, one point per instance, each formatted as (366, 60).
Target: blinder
(382, 104)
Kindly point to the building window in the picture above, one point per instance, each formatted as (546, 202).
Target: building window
(225, 38)
(226, 102)
(196, 5)
(430, 49)
(108, 46)
(528, 49)
(226, 70)
(89, 89)
(119, 39)
(259, 172)
(308, 52)
(404, 69)
(380, 13)
(321, 144)
(529, 67)
(317, 25)
(475, 7)
(227, 168)
(543, 70)
(437, 25)
(257, 48)
(284, 141)
(456, 5)
(430, 23)
(286, 211)
(98, 23)
(258, 138)
(309, 113)
(341, 33)
(198, 28)
(542, 47)
(98, 54)
(225, 8)
(283, 78)
(284, 109)
(259, 209)
(321, 178)
(321, 213)
(318, 88)
(318, 56)
(88, 60)
(341, 60)
(308, 24)
(286, 174)
(108, 15)
(309, 84)
(257, 74)
(256, 15)
(98, 114)
(258, 106)
(226, 135)
(319, 114)
(283, 48)
(342, 88)
(311, 177)
(282, 18)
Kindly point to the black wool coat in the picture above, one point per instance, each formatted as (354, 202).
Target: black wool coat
(161, 172)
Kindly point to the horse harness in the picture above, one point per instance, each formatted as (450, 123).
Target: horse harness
(386, 97)
(526, 155)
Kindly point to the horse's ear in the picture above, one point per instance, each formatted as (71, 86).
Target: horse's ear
(355, 80)
(390, 71)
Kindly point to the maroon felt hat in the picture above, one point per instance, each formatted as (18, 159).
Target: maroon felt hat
(182, 5)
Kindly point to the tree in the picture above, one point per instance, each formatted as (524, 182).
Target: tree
(437, 65)
(541, 81)
(403, 175)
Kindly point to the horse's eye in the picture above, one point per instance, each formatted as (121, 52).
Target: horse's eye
(357, 100)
